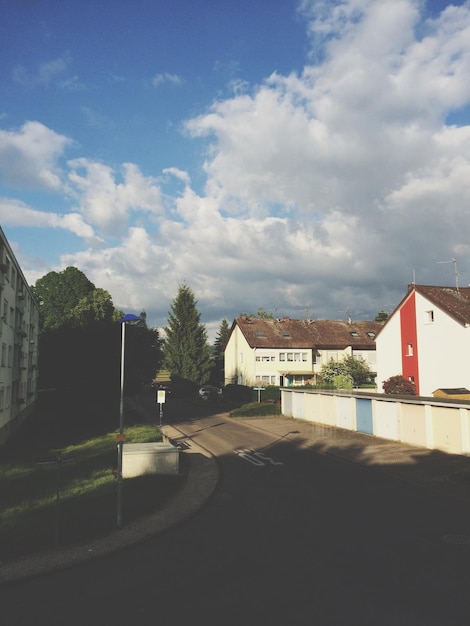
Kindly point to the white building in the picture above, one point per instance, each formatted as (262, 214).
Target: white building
(285, 352)
(19, 338)
(427, 339)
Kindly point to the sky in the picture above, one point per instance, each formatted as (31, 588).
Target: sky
(310, 158)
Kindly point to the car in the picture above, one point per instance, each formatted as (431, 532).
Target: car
(209, 391)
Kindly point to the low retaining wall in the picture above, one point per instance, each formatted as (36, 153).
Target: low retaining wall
(149, 458)
(434, 423)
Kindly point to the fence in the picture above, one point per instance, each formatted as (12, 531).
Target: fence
(434, 423)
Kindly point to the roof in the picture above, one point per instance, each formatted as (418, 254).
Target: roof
(303, 334)
(455, 301)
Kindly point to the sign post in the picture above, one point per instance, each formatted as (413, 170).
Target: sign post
(161, 402)
(259, 390)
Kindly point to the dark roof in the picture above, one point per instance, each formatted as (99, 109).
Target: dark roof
(298, 334)
(454, 301)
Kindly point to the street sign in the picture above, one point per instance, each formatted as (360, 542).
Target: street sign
(259, 390)
(161, 396)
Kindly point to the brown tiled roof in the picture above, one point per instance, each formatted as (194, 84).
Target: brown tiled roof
(454, 301)
(298, 334)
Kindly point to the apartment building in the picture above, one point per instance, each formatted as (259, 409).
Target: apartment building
(19, 342)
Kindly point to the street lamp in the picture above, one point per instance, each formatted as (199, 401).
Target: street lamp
(127, 318)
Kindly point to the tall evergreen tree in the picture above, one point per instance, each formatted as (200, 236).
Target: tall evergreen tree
(218, 375)
(187, 354)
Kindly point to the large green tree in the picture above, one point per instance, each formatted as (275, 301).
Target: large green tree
(80, 341)
(63, 298)
(187, 353)
(217, 374)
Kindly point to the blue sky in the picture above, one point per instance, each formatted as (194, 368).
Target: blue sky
(304, 157)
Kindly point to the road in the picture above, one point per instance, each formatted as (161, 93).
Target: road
(291, 536)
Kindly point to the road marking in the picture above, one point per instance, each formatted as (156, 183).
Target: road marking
(256, 458)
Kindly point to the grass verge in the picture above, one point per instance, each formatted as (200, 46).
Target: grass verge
(48, 505)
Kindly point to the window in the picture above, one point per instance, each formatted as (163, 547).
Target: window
(290, 356)
(260, 333)
(4, 354)
(282, 356)
(409, 349)
(2, 399)
(429, 317)
(370, 334)
(286, 334)
(354, 334)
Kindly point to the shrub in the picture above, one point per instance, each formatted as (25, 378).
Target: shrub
(238, 392)
(399, 385)
(343, 381)
(255, 409)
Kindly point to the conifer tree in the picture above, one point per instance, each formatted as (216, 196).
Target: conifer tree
(218, 376)
(187, 354)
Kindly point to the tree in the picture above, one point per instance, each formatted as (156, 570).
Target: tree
(187, 354)
(80, 337)
(58, 293)
(356, 368)
(217, 374)
(399, 385)
(382, 316)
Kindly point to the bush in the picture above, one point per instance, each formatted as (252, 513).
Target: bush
(238, 393)
(255, 409)
(399, 385)
(271, 393)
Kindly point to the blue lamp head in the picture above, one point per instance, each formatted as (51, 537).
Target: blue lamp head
(130, 317)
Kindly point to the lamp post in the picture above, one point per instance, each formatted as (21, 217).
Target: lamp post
(127, 318)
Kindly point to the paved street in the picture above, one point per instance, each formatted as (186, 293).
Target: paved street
(293, 534)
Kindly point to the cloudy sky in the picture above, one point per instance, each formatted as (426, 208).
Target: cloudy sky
(311, 158)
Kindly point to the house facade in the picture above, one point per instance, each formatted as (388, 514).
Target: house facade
(19, 339)
(427, 339)
(285, 352)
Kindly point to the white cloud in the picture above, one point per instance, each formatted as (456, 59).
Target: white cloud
(166, 78)
(107, 203)
(29, 157)
(325, 188)
(17, 213)
(43, 76)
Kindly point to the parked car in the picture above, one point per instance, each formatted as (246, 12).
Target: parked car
(209, 391)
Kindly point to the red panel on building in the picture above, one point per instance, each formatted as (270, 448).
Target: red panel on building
(409, 341)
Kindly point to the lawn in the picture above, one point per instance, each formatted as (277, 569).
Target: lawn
(45, 505)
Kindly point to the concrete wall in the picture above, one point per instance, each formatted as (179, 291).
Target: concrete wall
(149, 458)
(433, 423)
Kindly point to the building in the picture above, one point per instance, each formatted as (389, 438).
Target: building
(287, 352)
(19, 337)
(427, 339)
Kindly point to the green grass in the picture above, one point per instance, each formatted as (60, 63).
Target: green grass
(31, 518)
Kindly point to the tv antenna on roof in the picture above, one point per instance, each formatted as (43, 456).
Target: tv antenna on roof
(456, 273)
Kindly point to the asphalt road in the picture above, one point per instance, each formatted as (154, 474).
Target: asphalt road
(291, 536)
